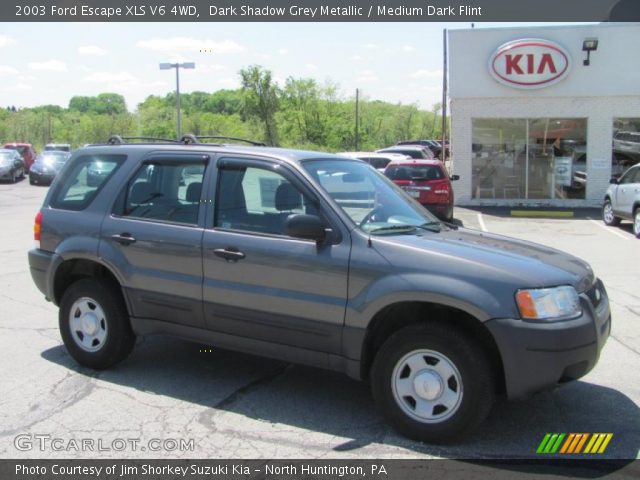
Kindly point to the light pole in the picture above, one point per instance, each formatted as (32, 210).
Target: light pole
(177, 66)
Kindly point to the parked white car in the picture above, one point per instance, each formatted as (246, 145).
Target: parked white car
(622, 200)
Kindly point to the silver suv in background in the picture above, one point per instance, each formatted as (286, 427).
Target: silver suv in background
(622, 200)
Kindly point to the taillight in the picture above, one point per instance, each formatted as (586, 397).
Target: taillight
(37, 229)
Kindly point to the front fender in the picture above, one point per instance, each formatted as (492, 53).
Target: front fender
(362, 308)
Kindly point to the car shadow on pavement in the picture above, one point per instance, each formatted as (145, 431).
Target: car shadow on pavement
(318, 401)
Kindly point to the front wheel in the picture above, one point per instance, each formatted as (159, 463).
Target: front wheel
(636, 223)
(607, 214)
(432, 383)
(94, 324)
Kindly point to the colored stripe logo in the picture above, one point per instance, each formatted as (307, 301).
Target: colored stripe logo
(573, 443)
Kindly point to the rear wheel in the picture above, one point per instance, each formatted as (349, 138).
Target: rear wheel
(607, 214)
(636, 222)
(94, 323)
(432, 383)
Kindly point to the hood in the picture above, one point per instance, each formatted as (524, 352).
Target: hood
(486, 257)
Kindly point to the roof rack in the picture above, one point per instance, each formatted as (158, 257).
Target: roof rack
(118, 140)
(187, 139)
(194, 139)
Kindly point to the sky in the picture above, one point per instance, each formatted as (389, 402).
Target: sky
(48, 63)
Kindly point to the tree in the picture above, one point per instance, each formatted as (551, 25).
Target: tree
(261, 100)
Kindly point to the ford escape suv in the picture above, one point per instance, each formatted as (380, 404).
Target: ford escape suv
(316, 259)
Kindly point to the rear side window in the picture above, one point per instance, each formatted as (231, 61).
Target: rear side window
(165, 192)
(86, 177)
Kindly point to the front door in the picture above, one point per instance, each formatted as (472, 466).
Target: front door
(260, 283)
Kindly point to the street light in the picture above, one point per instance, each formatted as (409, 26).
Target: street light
(177, 66)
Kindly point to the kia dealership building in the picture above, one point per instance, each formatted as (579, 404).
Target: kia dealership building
(543, 115)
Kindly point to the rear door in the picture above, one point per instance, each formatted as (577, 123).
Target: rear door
(154, 236)
(260, 283)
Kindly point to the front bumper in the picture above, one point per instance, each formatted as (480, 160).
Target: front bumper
(41, 176)
(539, 355)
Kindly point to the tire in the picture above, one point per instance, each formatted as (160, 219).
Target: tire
(101, 335)
(636, 222)
(31, 181)
(455, 372)
(607, 214)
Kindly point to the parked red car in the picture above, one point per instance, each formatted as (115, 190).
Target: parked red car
(427, 181)
(25, 150)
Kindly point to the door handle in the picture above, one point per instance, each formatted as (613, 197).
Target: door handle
(123, 238)
(230, 254)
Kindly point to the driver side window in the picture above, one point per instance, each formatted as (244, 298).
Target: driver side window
(257, 200)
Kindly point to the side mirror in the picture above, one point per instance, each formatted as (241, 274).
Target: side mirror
(614, 181)
(454, 177)
(309, 227)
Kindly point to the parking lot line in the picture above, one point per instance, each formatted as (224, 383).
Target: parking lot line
(608, 229)
(481, 222)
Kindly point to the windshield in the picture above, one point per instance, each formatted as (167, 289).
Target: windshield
(57, 148)
(53, 158)
(374, 203)
(20, 150)
(6, 158)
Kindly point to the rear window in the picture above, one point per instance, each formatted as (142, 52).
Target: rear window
(86, 177)
(414, 172)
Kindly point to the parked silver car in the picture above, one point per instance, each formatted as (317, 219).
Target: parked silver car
(622, 200)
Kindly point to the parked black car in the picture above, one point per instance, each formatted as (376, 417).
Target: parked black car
(47, 166)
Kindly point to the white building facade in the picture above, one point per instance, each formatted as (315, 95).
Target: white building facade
(532, 123)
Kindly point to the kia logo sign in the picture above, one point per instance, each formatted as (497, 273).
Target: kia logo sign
(529, 63)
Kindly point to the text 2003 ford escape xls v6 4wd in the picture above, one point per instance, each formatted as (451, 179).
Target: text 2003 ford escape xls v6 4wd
(311, 258)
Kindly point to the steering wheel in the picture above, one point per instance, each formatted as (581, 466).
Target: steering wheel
(369, 216)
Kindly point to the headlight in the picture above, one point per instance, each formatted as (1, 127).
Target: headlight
(549, 303)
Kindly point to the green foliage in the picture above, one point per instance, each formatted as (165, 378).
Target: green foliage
(261, 100)
(299, 114)
(103, 104)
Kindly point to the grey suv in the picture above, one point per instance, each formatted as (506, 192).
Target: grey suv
(316, 259)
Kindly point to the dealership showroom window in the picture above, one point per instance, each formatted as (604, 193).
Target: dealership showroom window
(551, 115)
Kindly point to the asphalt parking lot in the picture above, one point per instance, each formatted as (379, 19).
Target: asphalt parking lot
(240, 406)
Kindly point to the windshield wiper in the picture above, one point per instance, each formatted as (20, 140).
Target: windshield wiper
(431, 226)
(394, 228)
